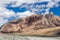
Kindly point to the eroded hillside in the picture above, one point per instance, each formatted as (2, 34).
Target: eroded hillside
(48, 24)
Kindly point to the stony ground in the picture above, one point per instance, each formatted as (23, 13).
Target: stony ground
(17, 37)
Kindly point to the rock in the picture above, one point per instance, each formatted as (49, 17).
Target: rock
(10, 28)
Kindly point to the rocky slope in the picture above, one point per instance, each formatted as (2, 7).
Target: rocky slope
(48, 24)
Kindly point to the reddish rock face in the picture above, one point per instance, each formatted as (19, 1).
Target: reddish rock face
(33, 22)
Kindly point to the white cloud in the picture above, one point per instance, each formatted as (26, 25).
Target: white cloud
(50, 4)
(16, 3)
(4, 2)
(5, 12)
(9, 13)
(3, 21)
(19, 2)
(25, 14)
(47, 10)
(56, 0)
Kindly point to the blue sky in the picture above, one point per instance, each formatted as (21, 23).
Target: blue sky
(12, 9)
(54, 9)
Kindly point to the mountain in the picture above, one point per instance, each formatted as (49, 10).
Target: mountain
(44, 24)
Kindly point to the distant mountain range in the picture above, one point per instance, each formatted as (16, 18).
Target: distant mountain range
(45, 24)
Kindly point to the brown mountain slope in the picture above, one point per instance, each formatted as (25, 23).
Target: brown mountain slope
(48, 24)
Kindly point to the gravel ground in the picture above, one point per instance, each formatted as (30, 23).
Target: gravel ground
(16, 37)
